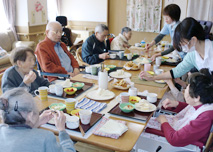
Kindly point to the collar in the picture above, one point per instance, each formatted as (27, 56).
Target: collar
(208, 47)
(198, 106)
(50, 41)
(123, 37)
(95, 39)
(20, 125)
(19, 72)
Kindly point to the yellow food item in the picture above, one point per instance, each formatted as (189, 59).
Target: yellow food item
(121, 83)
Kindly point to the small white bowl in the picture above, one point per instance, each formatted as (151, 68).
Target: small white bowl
(151, 97)
(112, 56)
(72, 122)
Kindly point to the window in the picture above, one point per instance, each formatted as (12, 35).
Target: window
(5, 25)
(51, 10)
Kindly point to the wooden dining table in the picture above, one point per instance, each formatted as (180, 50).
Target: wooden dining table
(129, 138)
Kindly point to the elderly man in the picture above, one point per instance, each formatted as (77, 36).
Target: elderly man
(93, 47)
(53, 55)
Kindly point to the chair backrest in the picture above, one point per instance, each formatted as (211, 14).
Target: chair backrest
(207, 25)
(209, 142)
(109, 40)
(67, 33)
(79, 58)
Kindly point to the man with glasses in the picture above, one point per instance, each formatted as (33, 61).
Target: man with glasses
(93, 49)
(53, 55)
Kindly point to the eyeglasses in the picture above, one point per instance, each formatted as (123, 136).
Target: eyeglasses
(58, 32)
(16, 109)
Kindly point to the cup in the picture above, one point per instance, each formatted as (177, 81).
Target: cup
(158, 61)
(129, 56)
(155, 67)
(159, 71)
(52, 88)
(42, 92)
(147, 67)
(121, 54)
(94, 70)
(72, 122)
(151, 97)
(88, 69)
(70, 104)
(85, 116)
(112, 56)
(133, 91)
(124, 97)
(58, 90)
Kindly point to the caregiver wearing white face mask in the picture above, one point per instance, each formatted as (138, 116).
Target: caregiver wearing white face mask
(190, 37)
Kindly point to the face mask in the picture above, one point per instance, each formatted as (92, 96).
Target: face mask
(186, 49)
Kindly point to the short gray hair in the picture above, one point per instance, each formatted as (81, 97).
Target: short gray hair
(15, 104)
(50, 25)
(100, 28)
(125, 30)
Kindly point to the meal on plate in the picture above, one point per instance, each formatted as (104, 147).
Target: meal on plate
(131, 65)
(171, 60)
(128, 107)
(57, 107)
(121, 83)
(142, 60)
(144, 106)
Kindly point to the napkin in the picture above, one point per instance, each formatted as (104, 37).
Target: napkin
(94, 77)
(144, 93)
(110, 128)
(91, 105)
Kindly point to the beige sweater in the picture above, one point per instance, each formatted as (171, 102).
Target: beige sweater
(118, 42)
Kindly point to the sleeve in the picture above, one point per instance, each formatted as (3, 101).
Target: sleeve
(46, 62)
(185, 66)
(87, 53)
(165, 30)
(65, 145)
(189, 134)
(8, 82)
(159, 38)
(171, 49)
(41, 80)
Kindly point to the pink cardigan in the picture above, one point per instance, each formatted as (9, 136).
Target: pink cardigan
(196, 132)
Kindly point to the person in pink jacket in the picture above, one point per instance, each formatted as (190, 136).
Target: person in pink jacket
(194, 118)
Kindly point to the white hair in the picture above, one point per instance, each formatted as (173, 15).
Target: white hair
(100, 28)
(51, 24)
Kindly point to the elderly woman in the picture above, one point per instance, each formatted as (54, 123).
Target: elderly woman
(195, 117)
(121, 41)
(19, 131)
(189, 37)
(22, 74)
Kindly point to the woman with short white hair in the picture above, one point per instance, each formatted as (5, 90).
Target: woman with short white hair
(19, 130)
(120, 42)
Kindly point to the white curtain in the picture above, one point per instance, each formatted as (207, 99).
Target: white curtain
(144, 15)
(10, 12)
(200, 10)
(58, 4)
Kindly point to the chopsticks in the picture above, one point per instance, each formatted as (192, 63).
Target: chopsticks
(81, 129)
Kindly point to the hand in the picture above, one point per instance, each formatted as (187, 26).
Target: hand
(146, 76)
(60, 120)
(76, 71)
(71, 74)
(125, 45)
(161, 119)
(154, 56)
(181, 82)
(148, 46)
(170, 103)
(104, 56)
(44, 117)
(29, 78)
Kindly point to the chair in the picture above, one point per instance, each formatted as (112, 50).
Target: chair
(79, 58)
(67, 36)
(41, 73)
(207, 25)
(209, 142)
(109, 40)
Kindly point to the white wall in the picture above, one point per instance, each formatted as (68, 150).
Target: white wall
(85, 10)
(21, 13)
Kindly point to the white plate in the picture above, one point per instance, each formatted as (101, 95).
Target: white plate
(152, 107)
(160, 81)
(94, 95)
(63, 83)
(125, 75)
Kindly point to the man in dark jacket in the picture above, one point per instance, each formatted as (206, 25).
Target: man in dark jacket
(94, 46)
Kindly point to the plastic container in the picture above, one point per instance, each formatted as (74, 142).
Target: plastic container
(143, 43)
